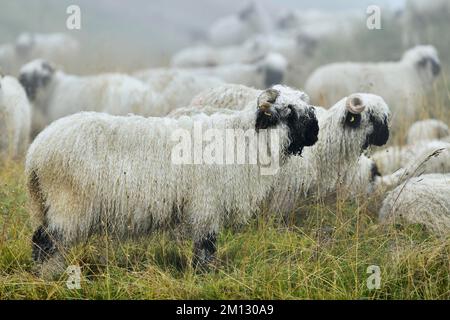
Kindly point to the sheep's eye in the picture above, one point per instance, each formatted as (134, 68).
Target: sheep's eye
(352, 120)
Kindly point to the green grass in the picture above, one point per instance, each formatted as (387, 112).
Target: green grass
(323, 255)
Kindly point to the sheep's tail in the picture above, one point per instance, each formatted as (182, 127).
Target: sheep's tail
(38, 206)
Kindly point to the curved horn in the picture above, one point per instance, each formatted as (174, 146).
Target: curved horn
(354, 104)
(266, 98)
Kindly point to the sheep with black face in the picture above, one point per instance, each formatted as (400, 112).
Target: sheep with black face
(402, 84)
(92, 172)
(346, 130)
(55, 94)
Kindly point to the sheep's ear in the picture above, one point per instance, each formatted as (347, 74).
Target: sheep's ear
(267, 116)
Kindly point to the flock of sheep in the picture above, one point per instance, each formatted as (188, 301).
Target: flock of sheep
(100, 157)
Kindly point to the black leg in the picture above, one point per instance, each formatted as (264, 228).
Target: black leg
(43, 245)
(204, 252)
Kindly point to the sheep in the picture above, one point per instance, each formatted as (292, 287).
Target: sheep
(393, 158)
(207, 56)
(402, 84)
(56, 47)
(55, 94)
(90, 173)
(262, 74)
(174, 88)
(421, 200)
(236, 28)
(430, 129)
(318, 24)
(15, 118)
(348, 128)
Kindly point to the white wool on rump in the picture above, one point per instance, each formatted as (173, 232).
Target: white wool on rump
(421, 200)
(395, 157)
(15, 118)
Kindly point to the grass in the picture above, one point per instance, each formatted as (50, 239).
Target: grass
(323, 253)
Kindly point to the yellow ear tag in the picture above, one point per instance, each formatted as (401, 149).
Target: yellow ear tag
(352, 119)
(267, 114)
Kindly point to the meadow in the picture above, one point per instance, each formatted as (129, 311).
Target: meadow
(322, 252)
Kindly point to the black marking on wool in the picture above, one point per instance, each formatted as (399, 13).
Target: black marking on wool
(31, 82)
(43, 244)
(380, 133)
(204, 251)
(434, 65)
(374, 172)
(302, 131)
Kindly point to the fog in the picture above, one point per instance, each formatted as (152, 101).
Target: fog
(147, 31)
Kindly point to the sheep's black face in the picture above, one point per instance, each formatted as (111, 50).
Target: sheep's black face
(32, 81)
(380, 133)
(303, 130)
(431, 64)
(302, 124)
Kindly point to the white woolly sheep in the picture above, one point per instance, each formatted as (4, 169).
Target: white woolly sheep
(263, 73)
(421, 200)
(236, 28)
(56, 47)
(56, 94)
(174, 88)
(393, 158)
(402, 84)
(346, 129)
(15, 118)
(430, 129)
(92, 172)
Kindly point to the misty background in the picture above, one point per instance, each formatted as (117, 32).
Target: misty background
(122, 35)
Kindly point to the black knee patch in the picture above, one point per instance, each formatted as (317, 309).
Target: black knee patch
(204, 251)
(43, 245)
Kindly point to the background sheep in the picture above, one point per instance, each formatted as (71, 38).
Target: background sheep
(236, 28)
(91, 172)
(56, 47)
(430, 129)
(417, 70)
(55, 94)
(424, 200)
(15, 118)
(268, 71)
(393, 158)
